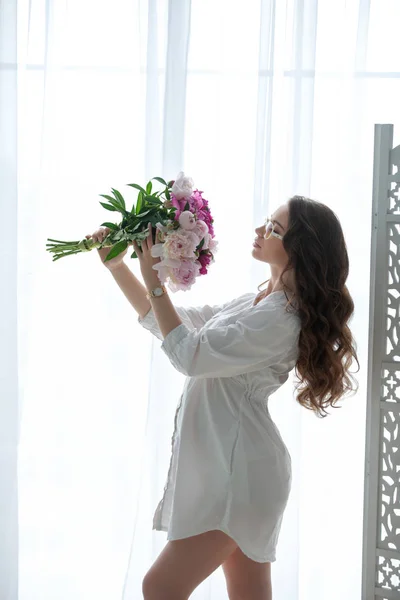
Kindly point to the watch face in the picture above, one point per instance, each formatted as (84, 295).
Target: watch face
(158, 291)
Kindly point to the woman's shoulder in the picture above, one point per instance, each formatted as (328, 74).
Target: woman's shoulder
(242, 300)
(270, 306)
(277, 307)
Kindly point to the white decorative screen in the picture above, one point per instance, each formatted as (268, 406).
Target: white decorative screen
(381, 551)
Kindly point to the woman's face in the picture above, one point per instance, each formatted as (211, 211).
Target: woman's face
(271, 250)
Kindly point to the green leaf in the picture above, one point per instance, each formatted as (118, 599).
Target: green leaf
(146, 212)
(167, 194)
(149, 187)
(116, 249)
(142, 223)
(139, 202)
(136, 226)
(117, 236)
(187, 206)
(114, 202)
(161, 180)
(112, 226)
(119, 197)
(134, 255)
(137, 187)
(152, 200)
(107, 197)
(108, 207)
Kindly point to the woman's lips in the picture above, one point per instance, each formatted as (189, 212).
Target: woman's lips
(256, 245)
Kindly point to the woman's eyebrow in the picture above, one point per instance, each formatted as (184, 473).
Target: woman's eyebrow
(277, 222)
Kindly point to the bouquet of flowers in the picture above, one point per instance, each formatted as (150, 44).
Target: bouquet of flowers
(184, 235)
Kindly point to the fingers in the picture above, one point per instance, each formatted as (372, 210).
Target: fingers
(99, 235)
(150, 236)
(148, 241)
(137, 249)
(146, 244)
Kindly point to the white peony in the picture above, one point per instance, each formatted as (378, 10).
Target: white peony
(187, 220)
(183, 186)
(157, 250)
(212, 245)
(200, 228)
(180, 244)
(206, 241)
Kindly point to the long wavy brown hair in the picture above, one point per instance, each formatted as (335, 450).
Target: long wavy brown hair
(315, 245)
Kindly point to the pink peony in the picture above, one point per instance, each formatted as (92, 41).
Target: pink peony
(204, 259)
(211, 230)
(197, 199)
(180, 244)
(184, 276)
(180, 206)
(175, 202)
(205, 215)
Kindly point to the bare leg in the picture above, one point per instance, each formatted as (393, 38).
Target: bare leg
(247, 579)
(183, 564)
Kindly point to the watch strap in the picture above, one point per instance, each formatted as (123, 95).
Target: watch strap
(151, 294)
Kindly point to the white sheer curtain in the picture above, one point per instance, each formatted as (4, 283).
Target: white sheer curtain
(256, 101)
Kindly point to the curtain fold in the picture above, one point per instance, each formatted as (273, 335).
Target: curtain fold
(256, 101)
(11, 397)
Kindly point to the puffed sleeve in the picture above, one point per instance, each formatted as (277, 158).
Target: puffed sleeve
(194, 317)
(259, 338)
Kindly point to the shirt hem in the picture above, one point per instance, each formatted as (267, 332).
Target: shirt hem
(268, 558)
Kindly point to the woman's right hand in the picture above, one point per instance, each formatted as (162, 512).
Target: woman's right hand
(98, 236)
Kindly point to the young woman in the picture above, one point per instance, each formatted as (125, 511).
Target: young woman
(230, 472)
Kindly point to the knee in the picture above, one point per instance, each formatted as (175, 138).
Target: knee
(150, 588)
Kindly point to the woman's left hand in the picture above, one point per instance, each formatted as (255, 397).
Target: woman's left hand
(146, 260)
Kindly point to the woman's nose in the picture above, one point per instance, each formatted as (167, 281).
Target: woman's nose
(259, 230)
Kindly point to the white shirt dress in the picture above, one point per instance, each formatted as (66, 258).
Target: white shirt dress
(229, 469)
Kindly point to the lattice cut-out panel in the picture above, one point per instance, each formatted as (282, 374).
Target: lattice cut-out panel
(394, 187)
(389, 480)
(387, 574)
(393, 297)
(394, 198)
(390, 390)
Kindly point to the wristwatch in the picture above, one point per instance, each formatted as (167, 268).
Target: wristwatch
(156, 292)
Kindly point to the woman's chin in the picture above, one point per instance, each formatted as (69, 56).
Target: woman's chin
(257, 255)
